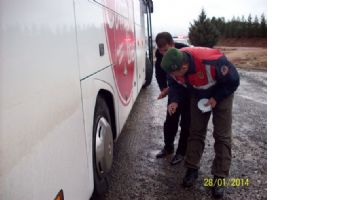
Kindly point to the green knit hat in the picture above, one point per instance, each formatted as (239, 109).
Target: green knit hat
(172, 60)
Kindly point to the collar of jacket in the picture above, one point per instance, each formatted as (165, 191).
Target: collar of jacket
(192, 67)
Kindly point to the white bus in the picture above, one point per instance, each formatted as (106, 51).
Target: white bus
(70, 72)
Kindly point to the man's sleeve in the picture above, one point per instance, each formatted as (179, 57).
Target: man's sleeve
(175, 91)
(227, 78)
(160, 74)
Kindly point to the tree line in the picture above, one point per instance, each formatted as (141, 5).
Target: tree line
(206, 32)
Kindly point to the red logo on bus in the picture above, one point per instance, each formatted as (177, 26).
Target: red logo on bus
(119, 28)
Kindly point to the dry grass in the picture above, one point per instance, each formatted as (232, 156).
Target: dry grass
(246, 57)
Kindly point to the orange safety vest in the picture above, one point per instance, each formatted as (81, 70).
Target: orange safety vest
(205, 75)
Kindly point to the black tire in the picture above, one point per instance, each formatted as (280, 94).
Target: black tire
(148, 72)
(101, 110)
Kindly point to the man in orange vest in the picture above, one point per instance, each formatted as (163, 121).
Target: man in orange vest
(208, 75)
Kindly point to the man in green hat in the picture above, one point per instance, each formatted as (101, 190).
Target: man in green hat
(208, 76)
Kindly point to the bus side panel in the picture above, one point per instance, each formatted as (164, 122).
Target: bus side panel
(111, 23)
(91, 86)
(91, 35)
(120, 70)
(95, 69)
(42, 141)
(120, 39)
(123, 55)
(140, 42)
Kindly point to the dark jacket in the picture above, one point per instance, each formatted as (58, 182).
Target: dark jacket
(160, 74)
(226, 83)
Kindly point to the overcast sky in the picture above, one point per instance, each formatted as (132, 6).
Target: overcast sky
(175, 16)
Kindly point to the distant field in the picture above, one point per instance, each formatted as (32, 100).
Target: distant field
(242, 42)
(246, 57)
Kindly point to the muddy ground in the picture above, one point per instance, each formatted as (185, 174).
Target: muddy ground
(137, 174)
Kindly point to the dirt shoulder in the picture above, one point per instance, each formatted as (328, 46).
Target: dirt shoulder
(246, 53)
(246, 57)
(243, 42)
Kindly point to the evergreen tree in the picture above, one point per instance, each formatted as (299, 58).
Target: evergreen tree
(228, 30)
(243, 27)
(237, 27)
(249, 27)
(203, 32)
(263, 26)
(219, 24)
(256, 27)
(243, 19)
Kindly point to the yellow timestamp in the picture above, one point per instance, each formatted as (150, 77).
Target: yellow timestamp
(226, 182)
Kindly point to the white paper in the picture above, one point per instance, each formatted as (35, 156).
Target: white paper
(202, 107)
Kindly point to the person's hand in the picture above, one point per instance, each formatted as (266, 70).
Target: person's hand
(172, 108)
(211, 102)
(163, 93)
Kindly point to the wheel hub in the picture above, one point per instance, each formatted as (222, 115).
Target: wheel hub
(103, 149)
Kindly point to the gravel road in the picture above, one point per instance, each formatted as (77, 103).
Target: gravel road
(137, 174)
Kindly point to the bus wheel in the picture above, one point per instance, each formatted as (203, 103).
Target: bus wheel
(102, 146)
(148, 72)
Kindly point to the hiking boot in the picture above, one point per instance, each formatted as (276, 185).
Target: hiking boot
(217, 190)
(176, 159)
(190, 177)
(163, 153)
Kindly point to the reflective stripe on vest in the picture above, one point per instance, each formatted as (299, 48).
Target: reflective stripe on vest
(211, 81)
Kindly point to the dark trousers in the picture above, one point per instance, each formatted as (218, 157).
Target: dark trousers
(171, 125)
(222, 130)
